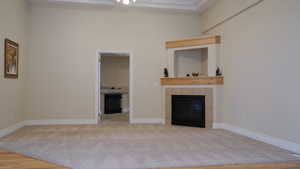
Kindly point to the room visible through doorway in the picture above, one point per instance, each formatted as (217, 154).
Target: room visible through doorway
(114, 87)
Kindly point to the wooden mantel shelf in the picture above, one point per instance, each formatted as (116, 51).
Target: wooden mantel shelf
(218, 80)
(194, 42)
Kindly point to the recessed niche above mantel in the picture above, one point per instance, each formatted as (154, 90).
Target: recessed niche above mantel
(199, 57)
(191, 60)
(195, 55)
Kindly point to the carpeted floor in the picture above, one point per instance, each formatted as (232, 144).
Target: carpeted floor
(117, 119)
(124, 146)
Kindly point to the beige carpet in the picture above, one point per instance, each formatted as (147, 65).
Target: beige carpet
(120, 118)
(123, 146)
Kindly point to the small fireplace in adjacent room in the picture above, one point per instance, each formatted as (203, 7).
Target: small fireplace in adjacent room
(188, 110)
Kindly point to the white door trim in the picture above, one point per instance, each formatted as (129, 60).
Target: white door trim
(98, 81)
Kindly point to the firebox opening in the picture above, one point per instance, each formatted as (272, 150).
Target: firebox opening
(188, 110)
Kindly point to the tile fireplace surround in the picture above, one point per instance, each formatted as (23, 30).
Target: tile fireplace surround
(207, 92)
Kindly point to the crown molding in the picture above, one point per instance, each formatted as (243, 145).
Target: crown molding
(204, 5)
(197, 6)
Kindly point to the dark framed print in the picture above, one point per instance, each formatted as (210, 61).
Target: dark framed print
(11, 59)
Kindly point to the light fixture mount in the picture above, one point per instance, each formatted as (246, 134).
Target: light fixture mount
(126, 2)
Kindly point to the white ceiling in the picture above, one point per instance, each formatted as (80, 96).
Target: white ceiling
(190, 5)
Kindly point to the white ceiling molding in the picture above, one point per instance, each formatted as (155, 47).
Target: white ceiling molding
(204, 5)
(189, 5)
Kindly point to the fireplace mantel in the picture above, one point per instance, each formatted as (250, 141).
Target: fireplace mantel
(217, 80)
(194, 42)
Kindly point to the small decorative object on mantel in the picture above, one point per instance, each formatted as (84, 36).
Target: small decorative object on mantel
(195, 74)
(218, 71)
(188, 75)
(166, 72)
(11, 59)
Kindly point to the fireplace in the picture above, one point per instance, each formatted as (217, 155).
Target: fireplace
(188, 110)
(202, 95)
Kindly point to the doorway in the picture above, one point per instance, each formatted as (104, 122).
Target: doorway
(114, 88)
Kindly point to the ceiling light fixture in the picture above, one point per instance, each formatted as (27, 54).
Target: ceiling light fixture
(126, 2)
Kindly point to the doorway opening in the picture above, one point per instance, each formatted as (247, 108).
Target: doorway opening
(114, 88)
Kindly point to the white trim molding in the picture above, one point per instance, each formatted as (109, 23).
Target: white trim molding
(125, 110)
(197, 6)
(11, 129)
(204, 5)
(98, 81)
(147, 121)
(60, 122)
(284, 144)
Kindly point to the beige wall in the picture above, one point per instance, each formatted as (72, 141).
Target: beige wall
(260, 58)
(115, 71)
(64, 40)
(13, 20)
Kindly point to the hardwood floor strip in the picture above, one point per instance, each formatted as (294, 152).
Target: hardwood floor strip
(10, 160)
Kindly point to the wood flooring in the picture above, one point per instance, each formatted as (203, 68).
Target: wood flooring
(10, 160)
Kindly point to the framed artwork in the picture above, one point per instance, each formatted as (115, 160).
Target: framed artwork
(11, 59)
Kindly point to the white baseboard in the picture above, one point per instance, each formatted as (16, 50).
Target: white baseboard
(125, 110)
(146, 121)
(11, 129)
(284, 144)
(59, 122)
(6, 131)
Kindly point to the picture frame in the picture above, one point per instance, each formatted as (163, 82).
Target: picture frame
(11, 59)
